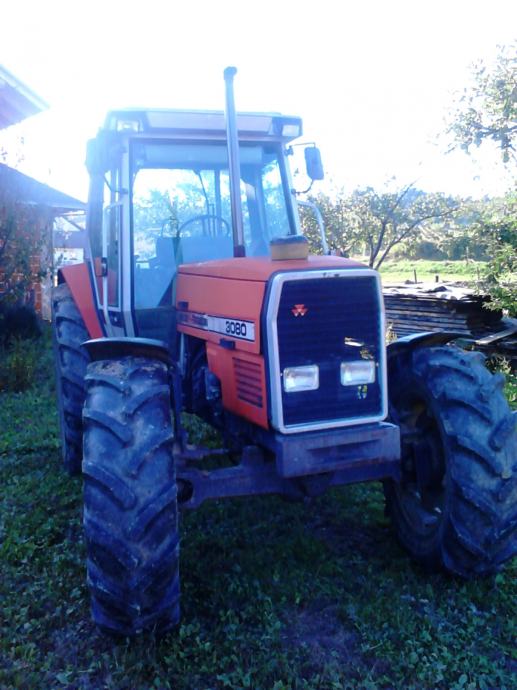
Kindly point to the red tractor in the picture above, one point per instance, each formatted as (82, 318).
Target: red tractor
(198, 295)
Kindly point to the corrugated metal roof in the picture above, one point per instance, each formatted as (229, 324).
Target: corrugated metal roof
(17, 101)
(26, 190)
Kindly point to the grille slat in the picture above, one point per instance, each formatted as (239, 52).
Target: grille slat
(248, 380)
(335, 309)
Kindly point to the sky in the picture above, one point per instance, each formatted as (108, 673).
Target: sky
(373, 80)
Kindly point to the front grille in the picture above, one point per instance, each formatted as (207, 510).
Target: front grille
(327, 321)
(248, 380)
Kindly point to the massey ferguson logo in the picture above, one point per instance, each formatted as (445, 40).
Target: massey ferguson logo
(299, 310)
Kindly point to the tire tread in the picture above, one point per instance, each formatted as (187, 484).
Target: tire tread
(130, 516)
(71, 360)
(480, 445)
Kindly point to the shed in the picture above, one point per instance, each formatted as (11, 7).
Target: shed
(17, 101)
(27, 206)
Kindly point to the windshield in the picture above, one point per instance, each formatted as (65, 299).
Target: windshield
(181, 211)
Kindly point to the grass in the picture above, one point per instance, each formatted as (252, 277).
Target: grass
(275, 595)
(398, 271)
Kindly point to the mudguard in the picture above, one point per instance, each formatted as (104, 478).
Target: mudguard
(115, 348)
(416, 340)
(78, 279)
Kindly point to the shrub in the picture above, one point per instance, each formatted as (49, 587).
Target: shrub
(17, 365)
(18, 322)
(425, 249)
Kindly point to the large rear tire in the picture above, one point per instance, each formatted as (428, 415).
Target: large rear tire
(456, 505)
(71, 360)
(130, 497)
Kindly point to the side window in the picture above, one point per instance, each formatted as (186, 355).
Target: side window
(95, 226)
(113, 222)
(274, 201)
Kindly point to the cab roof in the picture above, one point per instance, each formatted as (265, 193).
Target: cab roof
(202, 122)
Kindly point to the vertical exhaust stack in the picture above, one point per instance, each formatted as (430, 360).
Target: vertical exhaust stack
(232, 137)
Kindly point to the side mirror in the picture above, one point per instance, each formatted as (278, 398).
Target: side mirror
(313, 163)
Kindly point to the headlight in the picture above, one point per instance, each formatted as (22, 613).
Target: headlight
(301, 378)
(357, 373)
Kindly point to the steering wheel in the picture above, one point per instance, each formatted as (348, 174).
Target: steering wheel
(203, 217)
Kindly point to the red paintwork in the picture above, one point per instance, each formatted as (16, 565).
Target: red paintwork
(77, 278)
(234, 289)
(262, 268)
(233, 299)
(222, 363)
(97, 272)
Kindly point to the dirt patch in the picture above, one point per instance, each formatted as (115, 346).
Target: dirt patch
(325, 639)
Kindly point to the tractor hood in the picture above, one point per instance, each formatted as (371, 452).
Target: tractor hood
(261, 269)
(214, 298)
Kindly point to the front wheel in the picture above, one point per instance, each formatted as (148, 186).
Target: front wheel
(130, 497)
(455, 507)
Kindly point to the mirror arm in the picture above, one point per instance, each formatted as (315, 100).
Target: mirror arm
(319, 220)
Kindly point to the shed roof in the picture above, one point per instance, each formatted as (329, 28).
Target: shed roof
(26, 190)
(17, 101)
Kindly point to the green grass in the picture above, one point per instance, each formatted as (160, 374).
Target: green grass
(275, 595)
(398, 271)
(511, 389)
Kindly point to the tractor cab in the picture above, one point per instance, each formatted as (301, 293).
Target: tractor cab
(160, 197)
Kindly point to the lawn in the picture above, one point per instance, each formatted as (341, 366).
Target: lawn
(275, 595)
(398, 271)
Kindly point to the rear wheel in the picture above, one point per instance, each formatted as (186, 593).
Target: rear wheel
(71, 360)
(456, 504)
(130, 497)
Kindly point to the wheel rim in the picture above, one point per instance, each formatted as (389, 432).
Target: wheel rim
(421, 491)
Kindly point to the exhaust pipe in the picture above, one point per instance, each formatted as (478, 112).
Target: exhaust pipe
(232, 138)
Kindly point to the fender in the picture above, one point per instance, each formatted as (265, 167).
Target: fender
(77, 277)
(114, 348)
(408, 343)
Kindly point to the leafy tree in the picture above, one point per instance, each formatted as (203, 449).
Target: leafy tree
(496, 226)
(380, 221)
(384, 220)
(488, 109)
(488, 112)
(456, 236)
(22, 230)
(336, 218)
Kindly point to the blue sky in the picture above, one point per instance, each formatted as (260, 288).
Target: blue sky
(372, 80)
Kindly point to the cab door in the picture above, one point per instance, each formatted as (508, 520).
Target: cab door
(112, 268)
(107, 208)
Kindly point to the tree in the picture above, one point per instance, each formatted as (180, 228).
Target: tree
(488, 109)
(22, 239)
(384, 220)
(497, 227)
(336, 218)
(378, 220)
(488, 112)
